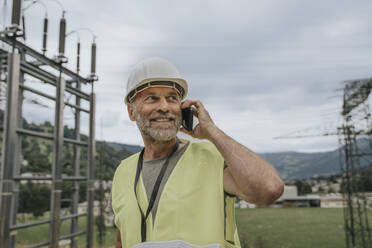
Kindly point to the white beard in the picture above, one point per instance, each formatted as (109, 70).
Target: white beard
(160, 132)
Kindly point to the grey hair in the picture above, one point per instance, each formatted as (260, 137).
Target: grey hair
(132, 105)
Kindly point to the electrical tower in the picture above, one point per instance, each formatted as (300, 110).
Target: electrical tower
(19, 63)
(355, 152)
(356, 127)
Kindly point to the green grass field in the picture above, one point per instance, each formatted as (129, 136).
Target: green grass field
(38, 234)
(259, 228)
(292, 227)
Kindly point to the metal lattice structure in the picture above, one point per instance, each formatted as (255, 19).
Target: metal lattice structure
(356, 129)
(17, 61)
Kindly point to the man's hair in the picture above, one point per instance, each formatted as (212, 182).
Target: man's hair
(132, 104)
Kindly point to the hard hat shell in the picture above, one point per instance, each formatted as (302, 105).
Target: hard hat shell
(154, 72)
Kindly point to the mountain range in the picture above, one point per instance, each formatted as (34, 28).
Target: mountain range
(296, 165)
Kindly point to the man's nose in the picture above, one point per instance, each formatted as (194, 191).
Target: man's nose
(163, 105)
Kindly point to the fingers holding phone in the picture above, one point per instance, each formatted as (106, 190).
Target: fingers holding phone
(195, 108)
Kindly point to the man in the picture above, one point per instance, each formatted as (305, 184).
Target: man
(177, 189)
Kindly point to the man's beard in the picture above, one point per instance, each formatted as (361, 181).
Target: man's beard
(159, 132)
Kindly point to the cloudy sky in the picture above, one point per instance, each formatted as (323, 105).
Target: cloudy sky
(262, 68)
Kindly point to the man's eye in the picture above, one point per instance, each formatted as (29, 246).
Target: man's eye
(173, 98)
(152, 98)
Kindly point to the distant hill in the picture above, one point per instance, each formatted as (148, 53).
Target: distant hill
(291, 165)
(295, 165)
(130, 148)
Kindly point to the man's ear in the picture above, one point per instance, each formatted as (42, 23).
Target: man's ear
(131, 112)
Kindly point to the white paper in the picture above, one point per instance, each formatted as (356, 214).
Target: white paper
(172, 244)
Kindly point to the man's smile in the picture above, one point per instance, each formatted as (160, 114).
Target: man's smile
(162, 120)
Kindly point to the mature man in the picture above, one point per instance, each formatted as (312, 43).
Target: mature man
(177, 189)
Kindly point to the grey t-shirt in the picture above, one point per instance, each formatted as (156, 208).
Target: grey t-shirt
(151, 170)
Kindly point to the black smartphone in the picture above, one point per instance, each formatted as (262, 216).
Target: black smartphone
(187, 118)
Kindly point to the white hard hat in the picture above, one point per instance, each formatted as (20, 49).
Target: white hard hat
(154, 72)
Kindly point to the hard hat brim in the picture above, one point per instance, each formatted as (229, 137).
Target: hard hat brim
(158, 82)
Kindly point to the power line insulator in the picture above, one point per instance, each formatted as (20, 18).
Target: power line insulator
(23, 27)
(16, 12)
(93, 61)
(78, 58)
(62, 36)
(45, 34)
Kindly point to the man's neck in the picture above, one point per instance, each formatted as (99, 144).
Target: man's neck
(157, 149)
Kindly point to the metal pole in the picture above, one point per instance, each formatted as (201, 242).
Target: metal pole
(349, 186)
(76, 164)
(18, 160)
(365, 209)
(57, 165)
(101, 222)
(358, 195)
(9, 149)
(91, 167)
(342, 156)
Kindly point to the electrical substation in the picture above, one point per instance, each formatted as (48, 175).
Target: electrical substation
(19, 64)
(22, 69)
(355, 153)
(357, 127)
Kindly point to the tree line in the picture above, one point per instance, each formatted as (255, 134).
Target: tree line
(37, 157)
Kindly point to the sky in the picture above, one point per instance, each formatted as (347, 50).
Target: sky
(262, 69)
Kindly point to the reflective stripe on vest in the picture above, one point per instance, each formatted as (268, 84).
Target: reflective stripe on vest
(192, 206)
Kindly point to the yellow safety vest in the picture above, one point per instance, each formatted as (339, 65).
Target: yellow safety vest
(192, 207)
